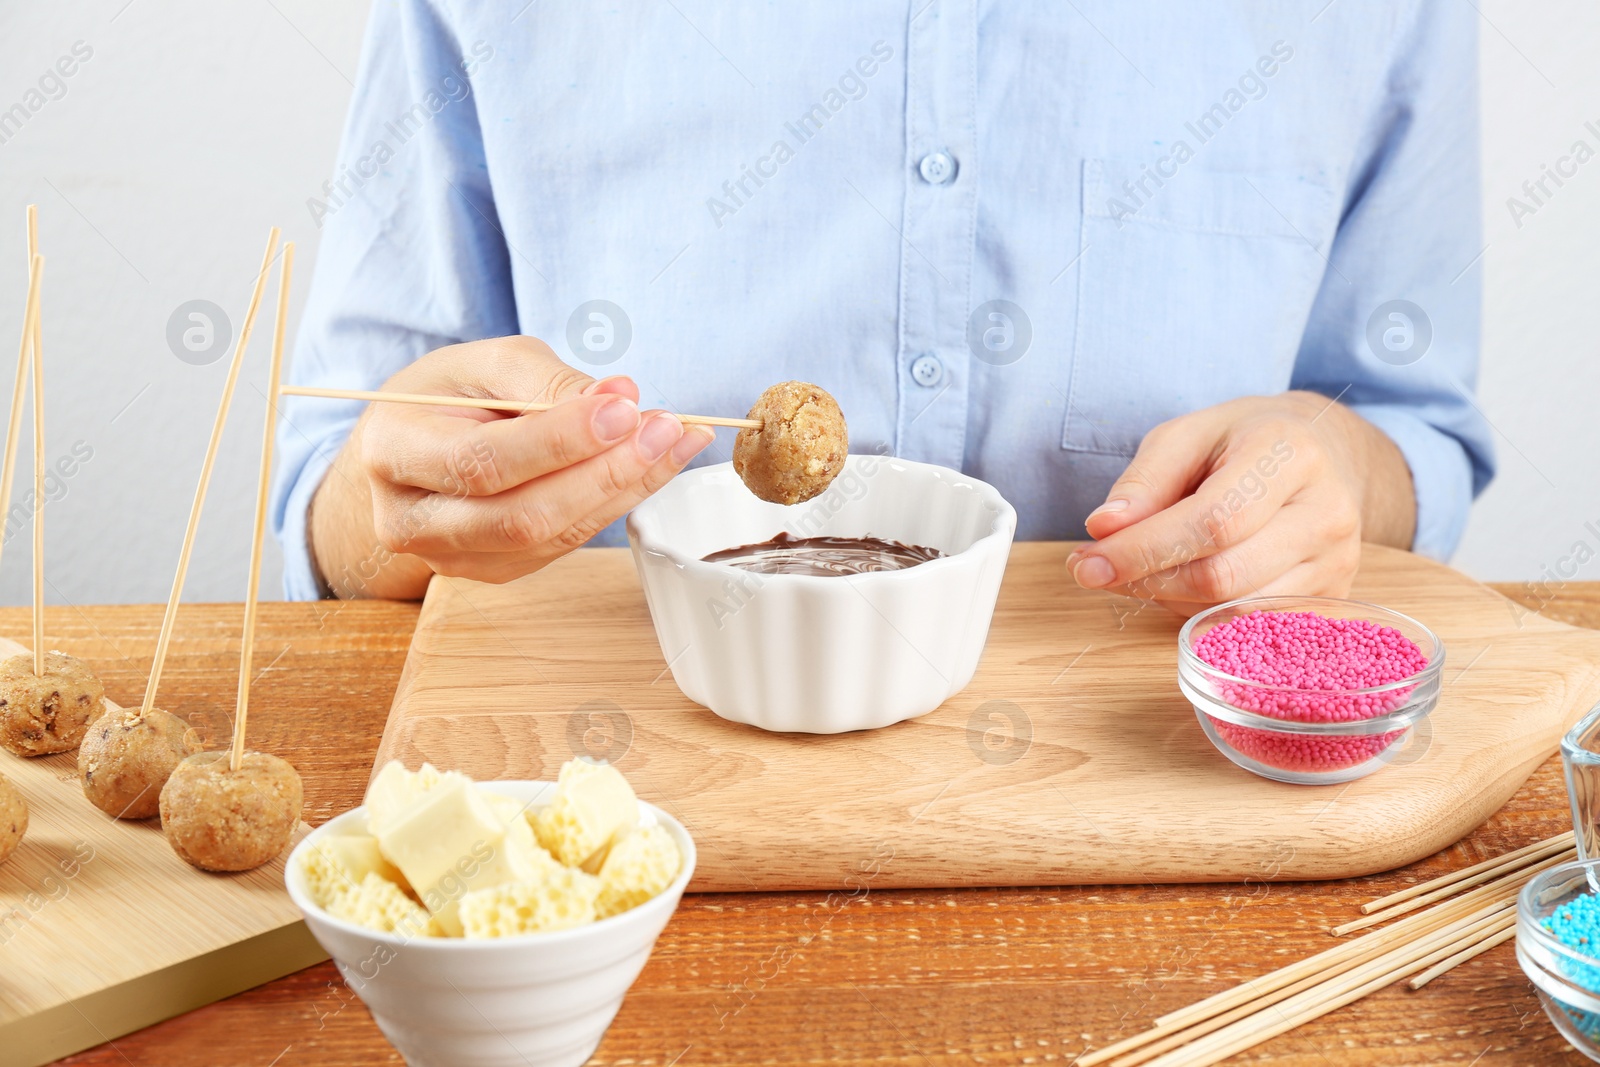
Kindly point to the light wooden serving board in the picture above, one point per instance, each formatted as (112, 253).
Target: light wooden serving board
(104, 930)
(1116, 782)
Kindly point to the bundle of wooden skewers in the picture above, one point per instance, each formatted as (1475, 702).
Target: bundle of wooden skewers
(1473, 910)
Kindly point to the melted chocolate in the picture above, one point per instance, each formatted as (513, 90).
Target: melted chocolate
(824, 557)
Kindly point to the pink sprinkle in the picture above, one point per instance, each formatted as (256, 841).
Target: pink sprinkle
(1306, 664)
(1295, 752)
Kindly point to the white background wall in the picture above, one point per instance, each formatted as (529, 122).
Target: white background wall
(1540, 382)
(197, 125)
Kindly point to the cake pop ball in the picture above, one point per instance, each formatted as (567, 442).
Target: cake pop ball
(220, 819)
(41, 714)
(13, 818)
(126, 758)
(800, 447)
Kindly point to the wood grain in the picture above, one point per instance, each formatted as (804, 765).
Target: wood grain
(1105, 766)
(902, 979)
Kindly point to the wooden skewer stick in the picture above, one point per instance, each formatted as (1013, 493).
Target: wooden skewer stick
(38, 467)
(18, 390)
(1459, 932)
(248, 644)
(1247, 1037)
(1478, 919)
(1463, 956)
(1257, 987)
(165, 637)
(521, 407)
(1384, 971)
(1478, 872)
(1244, 998)
(30, 336)
(1308, 971)
(1187, 1034)
(1514, 880)
(1559, 853)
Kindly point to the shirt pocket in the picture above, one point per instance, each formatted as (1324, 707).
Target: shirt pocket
(1198, 297)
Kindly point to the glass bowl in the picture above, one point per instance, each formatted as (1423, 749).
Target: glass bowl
(1567, 981)
(1309, 736)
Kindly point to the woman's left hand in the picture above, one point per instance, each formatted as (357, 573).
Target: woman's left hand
(1257, 496)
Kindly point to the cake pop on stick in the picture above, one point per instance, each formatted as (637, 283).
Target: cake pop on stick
(799, 448)
(46, 698)
(125, 760)
(128, 755)
(235, 811)
(790, 446)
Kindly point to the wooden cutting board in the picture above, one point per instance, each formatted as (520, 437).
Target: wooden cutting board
(1071, 758)
(104, 930)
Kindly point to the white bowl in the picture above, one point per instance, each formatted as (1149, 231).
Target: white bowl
(823, 654)
(542, 1000)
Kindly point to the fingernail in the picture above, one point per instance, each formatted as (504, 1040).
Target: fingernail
(601, 384)
(1112, 505)
(660, 433)
(690, 444)
(1094, 572)
(615, 419)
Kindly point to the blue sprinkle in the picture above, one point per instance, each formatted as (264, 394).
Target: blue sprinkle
(1576, 924)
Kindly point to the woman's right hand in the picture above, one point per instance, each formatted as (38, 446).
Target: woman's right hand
(487, 495)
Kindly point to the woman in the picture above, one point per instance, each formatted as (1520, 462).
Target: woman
(1200, 282)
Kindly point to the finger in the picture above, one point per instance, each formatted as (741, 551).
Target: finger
(547, 510)
(1272, 563)
(504, 368)
(1309, 578)
(1295, 535)
(695, 439)
(443, 453)
(1328, 575)
(507, 566)
(1171, 460)
(1229, 506)
(617, 384)
(420, 446)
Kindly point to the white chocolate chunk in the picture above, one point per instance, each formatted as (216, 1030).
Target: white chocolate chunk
(562, 898)
(508, 808)
(641, 864)
(454, 840)
(359, 856)
(395, 790)
(593, 803)
(326, 875)
(380, 905)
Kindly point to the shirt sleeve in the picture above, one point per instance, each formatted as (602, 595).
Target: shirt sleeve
(411, 255)
(1393, 332)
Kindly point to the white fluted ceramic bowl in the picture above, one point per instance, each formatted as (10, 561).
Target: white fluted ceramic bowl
(823, 655)
(541, 1000)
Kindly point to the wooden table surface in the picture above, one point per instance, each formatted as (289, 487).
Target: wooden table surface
(919, 978)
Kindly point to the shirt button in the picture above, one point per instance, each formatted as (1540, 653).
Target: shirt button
(937, 168)
(926, 370)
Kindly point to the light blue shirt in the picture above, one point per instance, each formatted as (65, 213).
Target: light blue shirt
(1009, 237)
